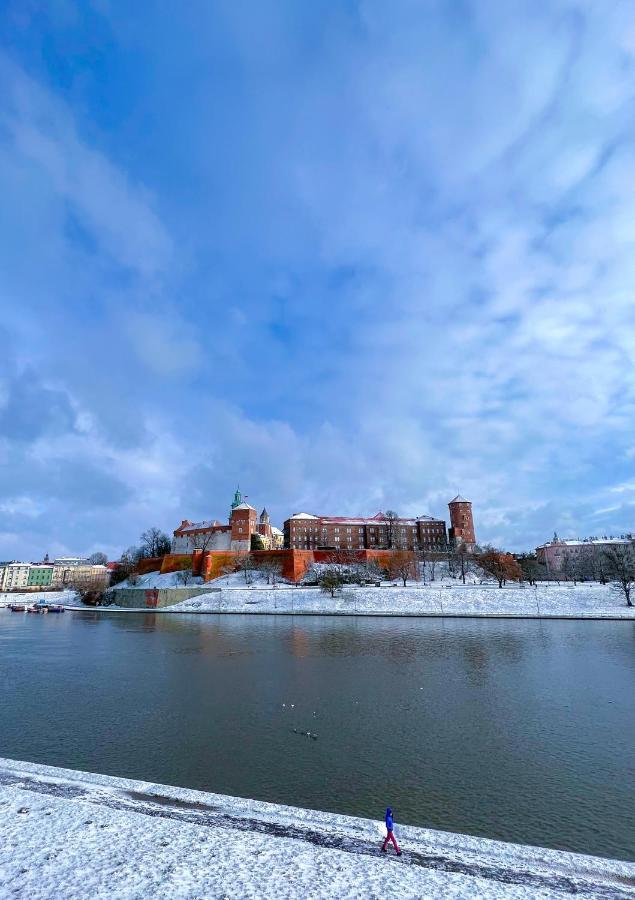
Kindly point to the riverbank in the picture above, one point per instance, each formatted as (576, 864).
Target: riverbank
(68, 833)
(582, 601)
(552, 601)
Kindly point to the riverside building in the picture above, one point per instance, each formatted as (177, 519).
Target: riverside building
(383, 531)
(558, 554)
(303, 531)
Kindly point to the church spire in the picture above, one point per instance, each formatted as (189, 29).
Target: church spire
(238, 499)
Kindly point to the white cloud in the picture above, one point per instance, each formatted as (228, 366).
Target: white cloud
(117, 213)
(472, 182)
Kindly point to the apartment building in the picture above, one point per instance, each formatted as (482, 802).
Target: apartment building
(590, 552)
(14, 576)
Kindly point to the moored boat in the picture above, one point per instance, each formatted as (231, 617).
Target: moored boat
(17, 607)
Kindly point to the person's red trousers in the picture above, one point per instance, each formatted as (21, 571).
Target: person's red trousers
(391, 837)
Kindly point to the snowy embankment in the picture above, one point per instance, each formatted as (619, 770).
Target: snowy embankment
(160, 580)
(445, 596)
(72, 834)
(581, 601)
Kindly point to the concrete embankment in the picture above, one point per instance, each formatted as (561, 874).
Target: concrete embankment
(65, 833)
(157, 598)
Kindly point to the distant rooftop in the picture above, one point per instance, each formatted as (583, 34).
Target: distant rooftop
(200, 526)
(379, 518)
(576, 542)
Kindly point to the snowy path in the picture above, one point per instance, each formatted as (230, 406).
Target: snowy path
(66, 833)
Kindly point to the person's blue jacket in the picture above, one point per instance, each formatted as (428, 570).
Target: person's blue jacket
(389, 822)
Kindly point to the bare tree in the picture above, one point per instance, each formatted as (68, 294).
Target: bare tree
(402, 564)
(621, 570)
(452, 561)
(186, 575)
(369, 571)
(390, 520)
(98, 559)
(271, 569)
(125, 566)
(600, 564)
(531, 568)
(202, 540)
(463, 561)
(246, 563)
(567, 568)
(422, 560)
(154, 543)
(500, 565)
(571, 568)
(347, 566)
(585, 564)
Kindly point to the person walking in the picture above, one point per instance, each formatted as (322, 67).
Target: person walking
(390, 834)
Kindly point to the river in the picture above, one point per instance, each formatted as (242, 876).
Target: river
(518, 730)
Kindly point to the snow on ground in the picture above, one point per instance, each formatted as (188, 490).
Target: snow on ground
(258, 579)
(72, 834)
(583, 600)
(447, 597)
(158, 580)
(51, 598)
(437, 572)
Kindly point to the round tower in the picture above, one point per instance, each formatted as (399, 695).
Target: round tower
(461, 522)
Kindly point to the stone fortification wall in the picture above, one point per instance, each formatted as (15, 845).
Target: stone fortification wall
(293, 563)
(214, 563)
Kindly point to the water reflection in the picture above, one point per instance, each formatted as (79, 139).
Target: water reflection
(516, 730)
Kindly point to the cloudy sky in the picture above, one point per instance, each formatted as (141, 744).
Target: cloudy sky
(351, 254)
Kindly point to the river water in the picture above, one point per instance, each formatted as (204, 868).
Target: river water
(517, 730)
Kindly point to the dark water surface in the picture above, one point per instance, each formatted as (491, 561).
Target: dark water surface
(518, 730)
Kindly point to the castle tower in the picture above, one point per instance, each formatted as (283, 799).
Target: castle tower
(461, 522)
(243, 523)
(264, 529)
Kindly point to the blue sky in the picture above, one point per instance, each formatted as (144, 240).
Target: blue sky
(351, 255)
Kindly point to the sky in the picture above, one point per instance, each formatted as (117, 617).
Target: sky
(349, 254)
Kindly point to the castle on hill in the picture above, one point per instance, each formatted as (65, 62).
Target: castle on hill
(246, 530)
(237, 535)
